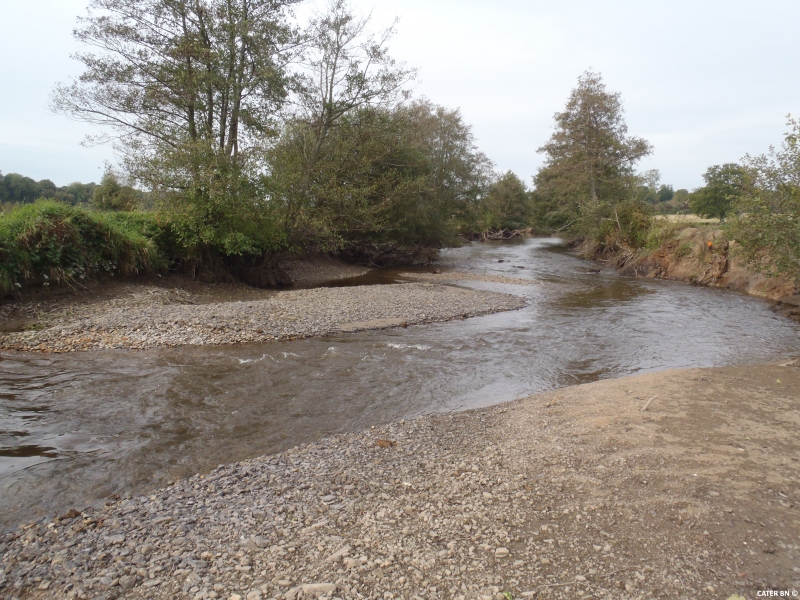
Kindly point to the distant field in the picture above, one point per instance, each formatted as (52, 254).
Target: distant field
(686, 219)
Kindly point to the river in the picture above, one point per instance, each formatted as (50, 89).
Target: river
(78, 427)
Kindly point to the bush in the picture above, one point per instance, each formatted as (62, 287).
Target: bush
(48, 241)
(661, 232)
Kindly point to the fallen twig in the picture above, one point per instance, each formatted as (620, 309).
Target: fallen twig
(646, 404)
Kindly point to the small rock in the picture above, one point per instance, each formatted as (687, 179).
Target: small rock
(318, 588)
(126, 582)
(501, 553)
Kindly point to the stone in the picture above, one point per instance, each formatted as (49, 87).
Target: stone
(501, 553)
(318, 588)
(127, 582)
(336, 556)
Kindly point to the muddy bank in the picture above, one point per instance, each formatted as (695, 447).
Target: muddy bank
(701, 256)
(579, 492)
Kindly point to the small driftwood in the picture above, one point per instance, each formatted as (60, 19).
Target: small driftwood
(646, 404)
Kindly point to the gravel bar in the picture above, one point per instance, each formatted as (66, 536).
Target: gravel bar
(576, 493)
(148, 320)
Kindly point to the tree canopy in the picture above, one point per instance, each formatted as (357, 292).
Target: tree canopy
(19, 189)
(589, 160)
(724, 185)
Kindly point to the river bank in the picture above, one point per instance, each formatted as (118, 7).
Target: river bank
(578, 492)
(700, 256)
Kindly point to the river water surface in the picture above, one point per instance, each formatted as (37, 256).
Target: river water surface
(78, 427)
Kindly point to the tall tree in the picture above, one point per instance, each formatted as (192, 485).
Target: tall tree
(590, 158)
(190, 90)
(344, 68)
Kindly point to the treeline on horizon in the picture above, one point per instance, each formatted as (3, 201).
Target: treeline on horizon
(242, 135)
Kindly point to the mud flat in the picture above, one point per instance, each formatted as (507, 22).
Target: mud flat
(147, 317)
(679, 484)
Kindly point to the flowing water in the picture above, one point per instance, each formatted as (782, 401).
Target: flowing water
(77, 427)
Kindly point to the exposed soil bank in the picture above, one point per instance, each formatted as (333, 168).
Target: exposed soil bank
(701, 256)
(573, 493)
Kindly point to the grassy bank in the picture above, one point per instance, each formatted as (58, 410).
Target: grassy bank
(52, 243)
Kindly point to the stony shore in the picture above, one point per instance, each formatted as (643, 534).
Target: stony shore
(148, 317)
(680, 484)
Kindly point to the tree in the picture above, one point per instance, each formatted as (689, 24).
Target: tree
(665, 193)
(190, 89)
(508, 203)
(344, 69)
(589, 159)
(766, 221)
(724, 184)
(406, 175)
(20, 188)
(111, 195)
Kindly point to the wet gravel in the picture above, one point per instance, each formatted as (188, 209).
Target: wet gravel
(153, 317)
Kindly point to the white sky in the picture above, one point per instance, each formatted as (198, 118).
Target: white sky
(705, 81)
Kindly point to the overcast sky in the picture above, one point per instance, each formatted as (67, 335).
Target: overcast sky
(705, 81)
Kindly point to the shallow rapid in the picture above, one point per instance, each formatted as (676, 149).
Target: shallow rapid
(78, 427)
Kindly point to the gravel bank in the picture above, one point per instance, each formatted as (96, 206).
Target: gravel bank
(577, 493)
(153, 317)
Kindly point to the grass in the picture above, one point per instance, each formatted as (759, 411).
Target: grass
(49, 242)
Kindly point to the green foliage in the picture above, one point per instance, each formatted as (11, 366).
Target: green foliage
(587, 184)
(193, 91)
(665, 193)
(403, 176)
(724, 185)
(766, 225)
(110, 195)
(49, 241)
(660, 232)
(621, 224)
(507, 204)
(18, 189)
